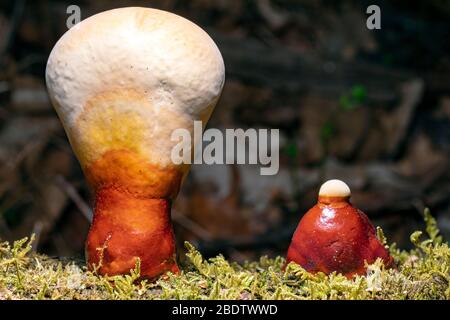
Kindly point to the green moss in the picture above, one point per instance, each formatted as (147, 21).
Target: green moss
(423, 273)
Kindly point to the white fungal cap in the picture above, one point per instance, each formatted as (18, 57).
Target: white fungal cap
(334, 188)
(126, 78)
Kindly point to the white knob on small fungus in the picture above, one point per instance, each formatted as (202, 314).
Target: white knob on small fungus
(334, 188)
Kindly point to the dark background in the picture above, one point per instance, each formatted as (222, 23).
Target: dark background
(369, 107)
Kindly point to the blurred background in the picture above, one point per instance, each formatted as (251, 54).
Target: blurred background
(370, 107)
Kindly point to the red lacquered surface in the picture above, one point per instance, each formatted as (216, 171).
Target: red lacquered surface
(126, 228)
(335, 236)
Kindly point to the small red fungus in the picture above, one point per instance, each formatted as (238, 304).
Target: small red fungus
(335, 236)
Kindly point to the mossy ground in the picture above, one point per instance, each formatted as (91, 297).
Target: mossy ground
(423, 273)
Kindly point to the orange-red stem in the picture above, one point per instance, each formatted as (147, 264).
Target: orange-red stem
(127, 227)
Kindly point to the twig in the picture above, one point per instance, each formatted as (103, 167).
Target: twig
(37, 231)
(72, 193)
(190, 225)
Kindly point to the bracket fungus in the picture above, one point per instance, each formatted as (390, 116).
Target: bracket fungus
(121, 82)
(335, 236)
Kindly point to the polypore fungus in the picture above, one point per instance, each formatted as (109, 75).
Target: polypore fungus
(121, 82)
(335, 236)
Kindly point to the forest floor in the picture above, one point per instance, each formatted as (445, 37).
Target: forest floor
(423, 273)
